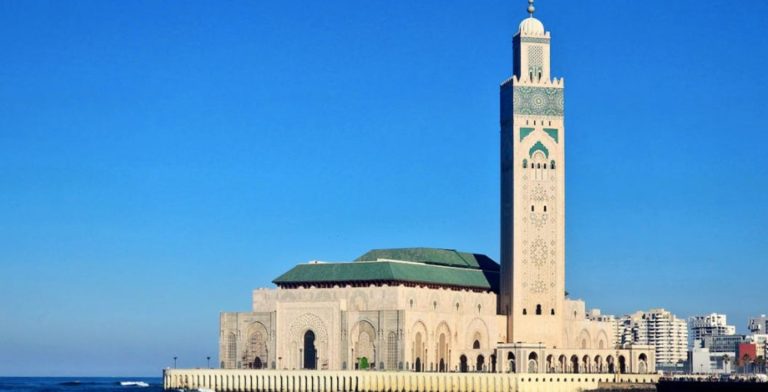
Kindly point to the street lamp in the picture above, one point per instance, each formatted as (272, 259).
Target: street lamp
(209, 361)
(174, 362)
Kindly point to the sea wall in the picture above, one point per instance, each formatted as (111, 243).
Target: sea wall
(224, 380)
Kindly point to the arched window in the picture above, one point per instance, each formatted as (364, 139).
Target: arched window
(552, 164)
(232, 349)
(552, 311)
(391, 351)
(532, 209)
(545, 208)
(533, 365)
(525, 311)
(525, 163)
(538, 165)
(476, 345)
(538, 310)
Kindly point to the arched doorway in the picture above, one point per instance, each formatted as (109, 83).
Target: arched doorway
(533, 363)
(257, 364)
(418, 352)
(443, 348)
(480, 363)
(611, 366)
(511, 362)
(622, 365)
(642, 366)
(463, 364)
(563, 363)
(574, 364)
(310, 353)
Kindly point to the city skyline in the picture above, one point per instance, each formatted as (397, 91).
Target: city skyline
(151, 192)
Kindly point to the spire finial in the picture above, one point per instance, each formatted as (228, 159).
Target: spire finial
(531, 8)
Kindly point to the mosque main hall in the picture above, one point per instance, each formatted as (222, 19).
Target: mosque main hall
(442, 310)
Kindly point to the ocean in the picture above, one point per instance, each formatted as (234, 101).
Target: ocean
(78, 384)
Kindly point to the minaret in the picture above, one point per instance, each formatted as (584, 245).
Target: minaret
(532, 192)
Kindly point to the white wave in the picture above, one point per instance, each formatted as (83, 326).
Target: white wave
(141, 384)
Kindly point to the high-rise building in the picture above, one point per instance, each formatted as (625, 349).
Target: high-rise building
(758, 324)
(714, 324)
(660, 328)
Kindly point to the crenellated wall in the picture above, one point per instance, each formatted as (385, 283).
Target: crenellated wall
(230, 380)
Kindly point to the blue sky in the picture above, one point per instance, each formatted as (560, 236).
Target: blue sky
(159, 160)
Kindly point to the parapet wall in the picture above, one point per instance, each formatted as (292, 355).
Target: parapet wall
(223, 380)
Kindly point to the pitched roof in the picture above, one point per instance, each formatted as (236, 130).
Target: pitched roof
(414, 265)
(435, 256)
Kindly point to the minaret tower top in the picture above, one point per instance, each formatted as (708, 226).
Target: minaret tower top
(531, 26)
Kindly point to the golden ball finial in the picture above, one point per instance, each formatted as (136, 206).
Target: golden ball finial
(531, 8)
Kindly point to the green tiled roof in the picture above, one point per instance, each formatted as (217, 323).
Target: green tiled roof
(447, 257)
(416, 265)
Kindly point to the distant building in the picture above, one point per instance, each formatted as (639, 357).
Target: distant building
(660, 328)
(758, 324)
(722, 343)
(746, 352)
(759, 340)
(702, 361)
(714, 324)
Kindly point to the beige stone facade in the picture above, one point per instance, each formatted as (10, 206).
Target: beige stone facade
(395, 328)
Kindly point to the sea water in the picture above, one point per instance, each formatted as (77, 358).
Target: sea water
(78, 384)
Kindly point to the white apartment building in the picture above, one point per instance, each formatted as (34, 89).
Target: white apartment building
(660, 328)
(714, 324)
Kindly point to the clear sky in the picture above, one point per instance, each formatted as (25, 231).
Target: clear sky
(159, 160)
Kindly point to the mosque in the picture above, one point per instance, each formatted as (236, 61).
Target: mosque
(442, 310)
